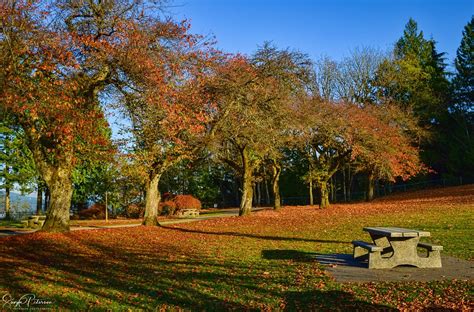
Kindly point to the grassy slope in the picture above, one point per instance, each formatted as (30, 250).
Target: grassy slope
(259, 262)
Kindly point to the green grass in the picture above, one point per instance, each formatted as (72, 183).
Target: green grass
(260, 262)
(11, 223)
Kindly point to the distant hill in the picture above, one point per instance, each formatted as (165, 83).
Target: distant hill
(19, 203)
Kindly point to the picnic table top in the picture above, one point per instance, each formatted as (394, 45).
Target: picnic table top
(396, 232)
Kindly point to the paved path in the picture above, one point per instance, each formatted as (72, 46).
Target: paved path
(8, 231)
(344, 269)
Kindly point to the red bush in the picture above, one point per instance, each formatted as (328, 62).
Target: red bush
(173, 203)
(96, 211)
(186, 202)
(167, 207)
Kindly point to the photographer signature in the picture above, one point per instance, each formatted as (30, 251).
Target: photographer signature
(25, 301)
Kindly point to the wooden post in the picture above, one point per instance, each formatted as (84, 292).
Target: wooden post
(106, 209)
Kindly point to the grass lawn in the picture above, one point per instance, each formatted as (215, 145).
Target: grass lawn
(11, 223)
(258, 262)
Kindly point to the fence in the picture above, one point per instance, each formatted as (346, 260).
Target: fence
(386, 189)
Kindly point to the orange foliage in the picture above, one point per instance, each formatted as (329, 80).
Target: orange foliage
(173, 203)
(187, 202)
(168, 207)
(96, 211)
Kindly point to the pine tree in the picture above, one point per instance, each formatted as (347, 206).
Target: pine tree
(416, 77)
(463, 82)
(458, 126)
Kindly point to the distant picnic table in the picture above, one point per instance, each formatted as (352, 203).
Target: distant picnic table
(394, 246)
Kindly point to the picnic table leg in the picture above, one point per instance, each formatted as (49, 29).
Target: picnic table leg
(404, 251)
(432, 261)
(382, 241)
(400, 251)
(360, 253)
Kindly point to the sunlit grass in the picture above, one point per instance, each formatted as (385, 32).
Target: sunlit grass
(261, 262)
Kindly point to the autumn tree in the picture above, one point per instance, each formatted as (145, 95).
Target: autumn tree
(40, 91)
(253, 99)
(352, 80)
(323, 140)
(164, 99)
(385, 144)
(57, 58)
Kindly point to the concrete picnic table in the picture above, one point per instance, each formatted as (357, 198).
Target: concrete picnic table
(397, 246)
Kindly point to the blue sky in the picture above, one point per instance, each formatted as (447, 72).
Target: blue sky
(319, 27)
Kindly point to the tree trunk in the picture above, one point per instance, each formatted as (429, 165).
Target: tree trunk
(7, 203)
(236, 189)
(344, 183)
(152, 201)
(311, 199)
(254, 192)
(324, 194)
(39, 200)
(349, 185)
(333, 189)
(259, 194)
(276, 185)
(59, 183)
(267, 193)
(370, 186)
(47, 199)
(247, 190)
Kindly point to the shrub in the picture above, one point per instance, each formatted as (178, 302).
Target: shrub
(186, 202)
(168, 207)
(96, 211)
(173, 203)
(134, 211)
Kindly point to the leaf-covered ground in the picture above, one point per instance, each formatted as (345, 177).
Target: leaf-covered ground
(259, 262)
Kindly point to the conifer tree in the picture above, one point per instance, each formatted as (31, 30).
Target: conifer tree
(463, 81)
(458, 126)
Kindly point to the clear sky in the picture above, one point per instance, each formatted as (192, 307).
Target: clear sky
(326, 27)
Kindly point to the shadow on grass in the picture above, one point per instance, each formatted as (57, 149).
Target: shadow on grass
(301, 256)
(82, 273)
(128, 278)
(264, 237)
(333, 300)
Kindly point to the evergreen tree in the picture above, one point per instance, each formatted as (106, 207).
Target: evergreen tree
(16, 164)
(416, 76)
(463, 82)
(458, 126)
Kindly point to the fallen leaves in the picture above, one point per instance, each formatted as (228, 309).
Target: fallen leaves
(263, 261)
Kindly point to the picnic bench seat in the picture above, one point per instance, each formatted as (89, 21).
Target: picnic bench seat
(34, 221)
(433, 251)
(430, 247)
(188, 213)
(367, 246)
